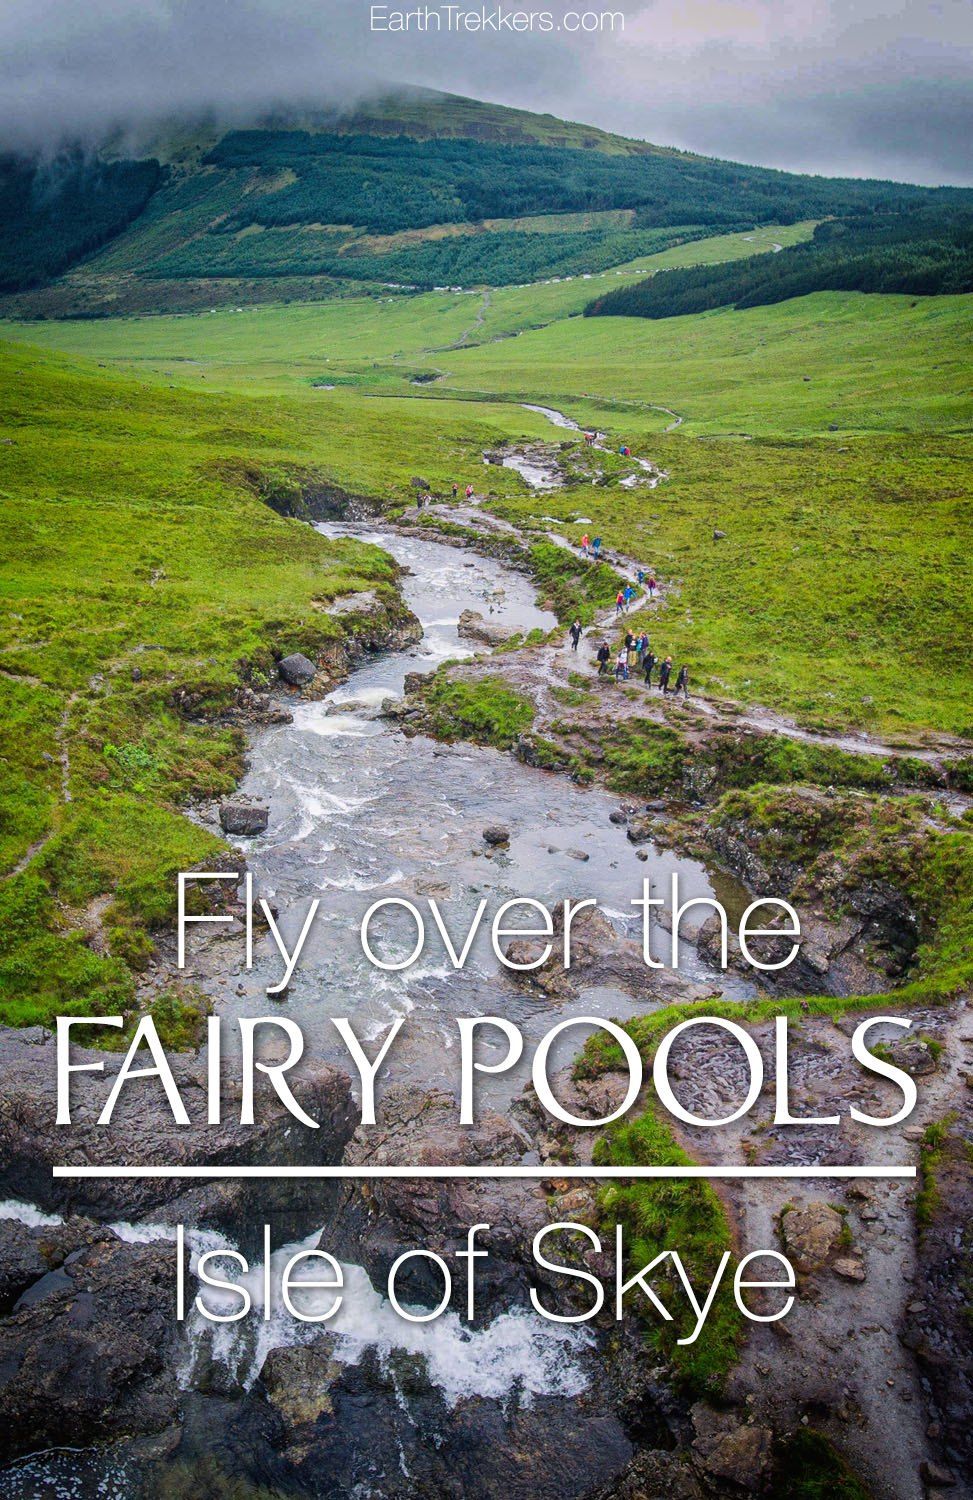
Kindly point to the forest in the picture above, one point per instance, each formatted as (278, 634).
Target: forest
(56, 212)
(926, 252)
(494, 259)
(388, 184)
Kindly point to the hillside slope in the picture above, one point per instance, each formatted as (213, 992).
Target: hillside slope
(414, 191)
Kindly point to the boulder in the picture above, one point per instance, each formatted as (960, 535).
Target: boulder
(298, 1383)
(475, 627)
(243, 818)
(95, 1358)
(30, 1252)
(395, 1433)
(599, 956)
(496, 836)
(297, 670)
(811, 1235)
(730, 1452)
(850, 1268)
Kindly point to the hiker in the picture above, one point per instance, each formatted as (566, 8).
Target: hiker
(584, 544)
(420, 499)
(575, 633)
(652, 586)
(603, 657)
(621, 667)
(641, 577)
(589, 439)
(455, 491)
(629, 595)
(631, 651)
(619, 603)
(641, 646)
(665, 672)
(648, 662)
(596, 547)
(682, 682)
(469, 492)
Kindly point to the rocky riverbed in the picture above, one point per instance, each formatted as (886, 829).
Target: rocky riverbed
(359, 803)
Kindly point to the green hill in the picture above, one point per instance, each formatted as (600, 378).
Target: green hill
(414, 191)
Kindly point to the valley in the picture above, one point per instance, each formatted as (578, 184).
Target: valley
(252, 620)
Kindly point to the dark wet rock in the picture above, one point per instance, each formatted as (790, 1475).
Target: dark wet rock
(375, 1222)
(243, 818)
(732, 1452)
(385, 1429)
(299, 1383)
(936, 1477)
(476, 627)
(142, 1131)
(28, 1253)
(398, 709)
(349, 706)
(95, 1358)
(496, 836)
(652, 1475)
(857, 932)
(938, 1328)
(297, 670)
(259, 709)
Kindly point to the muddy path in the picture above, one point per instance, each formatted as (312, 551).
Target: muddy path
(547, 663)
(839, 1362)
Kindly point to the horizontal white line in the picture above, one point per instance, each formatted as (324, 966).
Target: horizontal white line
(612, 1174)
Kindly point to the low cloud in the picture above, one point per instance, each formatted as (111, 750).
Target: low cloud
(856, 87)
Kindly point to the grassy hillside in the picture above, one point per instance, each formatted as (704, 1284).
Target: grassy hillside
(923, 253)
(418, 190)
(143, 582)
(835, 361)
(842, 587)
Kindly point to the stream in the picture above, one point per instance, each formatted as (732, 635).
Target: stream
(359, 811)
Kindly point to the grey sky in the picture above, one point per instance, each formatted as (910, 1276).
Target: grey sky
(860, 87)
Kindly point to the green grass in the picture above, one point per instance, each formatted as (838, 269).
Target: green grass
(576, 589)
(808, 1467)
(874, 364)
(843, 583)
(839, 594)
(486, 711)
(840, 591)
(141, 586)
(683, 1216)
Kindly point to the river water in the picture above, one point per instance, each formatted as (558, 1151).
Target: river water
(359, 811)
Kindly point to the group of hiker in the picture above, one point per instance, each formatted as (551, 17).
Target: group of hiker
(635, 655)
(590, 547)
(424, 496)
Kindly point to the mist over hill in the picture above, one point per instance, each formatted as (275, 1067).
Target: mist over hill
(406, 191)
